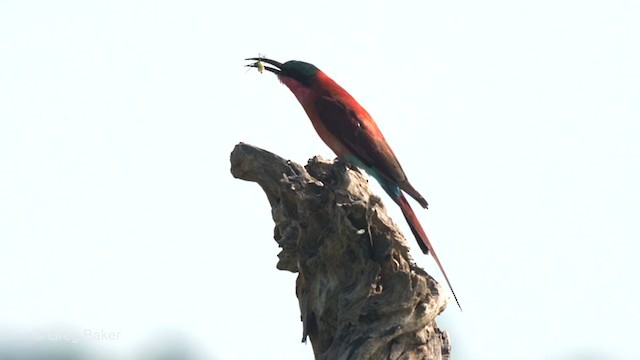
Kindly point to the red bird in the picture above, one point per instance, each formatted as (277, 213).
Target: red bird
(348, 129)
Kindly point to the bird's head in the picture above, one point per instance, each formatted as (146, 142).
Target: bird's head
(299, 71)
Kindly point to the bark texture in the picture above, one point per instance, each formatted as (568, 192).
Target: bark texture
(361, 295)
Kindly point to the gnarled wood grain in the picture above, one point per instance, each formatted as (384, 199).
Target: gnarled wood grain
(360, 294)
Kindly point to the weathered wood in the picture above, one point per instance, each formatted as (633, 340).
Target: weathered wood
(361, 295)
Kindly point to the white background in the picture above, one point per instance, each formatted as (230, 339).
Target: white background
(519, 122)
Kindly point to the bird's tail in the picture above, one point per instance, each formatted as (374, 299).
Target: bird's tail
(421, 236)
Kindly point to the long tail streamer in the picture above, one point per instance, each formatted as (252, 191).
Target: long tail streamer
(422, 238)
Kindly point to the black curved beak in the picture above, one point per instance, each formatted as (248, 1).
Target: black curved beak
(276, 70)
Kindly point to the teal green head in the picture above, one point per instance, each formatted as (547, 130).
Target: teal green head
(300, 71)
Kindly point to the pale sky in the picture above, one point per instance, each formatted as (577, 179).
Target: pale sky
(518, 121)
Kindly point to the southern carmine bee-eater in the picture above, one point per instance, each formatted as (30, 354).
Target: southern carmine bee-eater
(348, 129)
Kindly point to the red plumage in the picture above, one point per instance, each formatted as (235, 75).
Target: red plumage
(348, 129)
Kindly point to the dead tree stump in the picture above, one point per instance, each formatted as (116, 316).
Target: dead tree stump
(361, 295)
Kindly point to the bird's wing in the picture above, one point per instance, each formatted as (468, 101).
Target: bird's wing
(360, 135)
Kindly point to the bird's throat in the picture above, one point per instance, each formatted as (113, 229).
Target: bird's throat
(301, 92)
